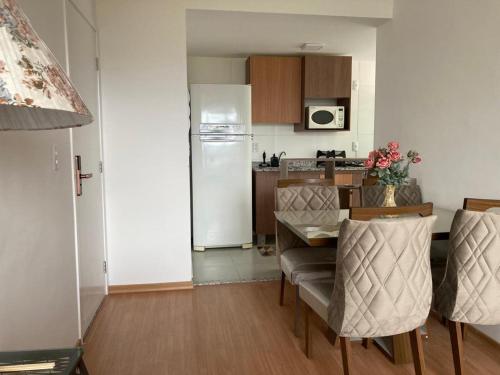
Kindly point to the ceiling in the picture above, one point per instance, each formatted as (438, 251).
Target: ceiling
(237, 34)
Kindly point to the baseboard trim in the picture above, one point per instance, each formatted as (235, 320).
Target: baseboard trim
(473, 330)
(483, 336)
(145, 288)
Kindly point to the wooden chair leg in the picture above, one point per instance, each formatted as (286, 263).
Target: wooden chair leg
(456, 346)
(307, 331)
(366, 342)
(298, 306)
(345, 345)
(417, 351)
(282, 288)
(463, 326)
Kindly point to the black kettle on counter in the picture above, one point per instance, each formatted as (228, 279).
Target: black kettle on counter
(275, 160)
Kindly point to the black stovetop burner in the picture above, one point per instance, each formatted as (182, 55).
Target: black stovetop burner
(330, 155)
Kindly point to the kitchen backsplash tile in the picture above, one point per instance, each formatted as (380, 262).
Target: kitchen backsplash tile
(274, 138)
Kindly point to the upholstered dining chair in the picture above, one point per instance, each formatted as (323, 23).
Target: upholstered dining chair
(439, 249)
(297, 260)
(470, 291)
(406, 195)
(398, 343)
(382, 284)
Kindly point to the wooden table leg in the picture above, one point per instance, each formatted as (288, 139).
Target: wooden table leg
(366, 342)
(396, 348)
(402, 349)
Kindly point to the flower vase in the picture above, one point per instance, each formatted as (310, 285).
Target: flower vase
(389, 200)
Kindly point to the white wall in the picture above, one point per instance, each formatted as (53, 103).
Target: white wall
(346, 8)
(438, 85)
(145, 125)
(274, 138)
(37, 250)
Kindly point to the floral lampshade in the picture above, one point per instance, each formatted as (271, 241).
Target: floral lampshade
(35, 92)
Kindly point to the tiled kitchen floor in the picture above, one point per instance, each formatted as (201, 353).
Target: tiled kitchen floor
(216, 266)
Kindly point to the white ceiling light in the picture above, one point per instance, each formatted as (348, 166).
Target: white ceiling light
(312, 46)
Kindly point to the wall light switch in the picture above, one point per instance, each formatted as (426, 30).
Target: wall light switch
(355, 146)
(255, 147)
(55, 158)
(355, 85)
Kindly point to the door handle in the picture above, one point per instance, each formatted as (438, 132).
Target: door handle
(79, 176)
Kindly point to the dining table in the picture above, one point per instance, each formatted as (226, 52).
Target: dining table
(320, 228)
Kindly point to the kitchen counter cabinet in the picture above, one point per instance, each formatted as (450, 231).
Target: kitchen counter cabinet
(264, 183)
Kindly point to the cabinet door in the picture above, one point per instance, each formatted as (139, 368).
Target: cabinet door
(327, 76)
(264, 184)
(276, 89)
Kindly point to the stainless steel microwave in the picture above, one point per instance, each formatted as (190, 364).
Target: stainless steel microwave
(325, 117)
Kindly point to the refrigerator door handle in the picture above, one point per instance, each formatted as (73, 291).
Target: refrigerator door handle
(219, 138)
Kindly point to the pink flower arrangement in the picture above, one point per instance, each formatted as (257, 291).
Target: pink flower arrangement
(387, 164)
(393, 145)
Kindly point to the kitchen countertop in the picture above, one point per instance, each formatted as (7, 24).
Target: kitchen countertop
(302, 167)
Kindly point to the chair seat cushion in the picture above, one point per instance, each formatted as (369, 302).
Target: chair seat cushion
(317, 294)
(308, 263)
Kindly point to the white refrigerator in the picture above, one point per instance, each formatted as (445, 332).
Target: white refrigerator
(221, 160)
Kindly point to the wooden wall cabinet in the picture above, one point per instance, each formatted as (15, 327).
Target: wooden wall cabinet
(327, 77)
(276, 89)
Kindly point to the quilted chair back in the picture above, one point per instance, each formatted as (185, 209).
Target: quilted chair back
(470, 291)
(307, 197)
(383, 283)
(299, 198)
(406, 195)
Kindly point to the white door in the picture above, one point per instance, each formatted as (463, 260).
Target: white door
(82, 55)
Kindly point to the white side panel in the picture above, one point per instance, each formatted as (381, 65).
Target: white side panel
(82, 54)
(220, 104)
(222, 192)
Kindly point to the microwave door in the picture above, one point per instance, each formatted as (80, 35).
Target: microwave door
(323, 118)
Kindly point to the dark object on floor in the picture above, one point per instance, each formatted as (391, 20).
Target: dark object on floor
(266, 250)
(68, 361)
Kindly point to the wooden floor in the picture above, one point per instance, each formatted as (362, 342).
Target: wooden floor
(240, 329)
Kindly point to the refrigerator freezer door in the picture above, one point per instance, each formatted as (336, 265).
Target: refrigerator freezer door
(222, 190)
(219, 105)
